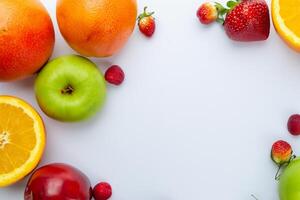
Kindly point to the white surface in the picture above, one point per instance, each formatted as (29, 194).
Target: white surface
(194, 120)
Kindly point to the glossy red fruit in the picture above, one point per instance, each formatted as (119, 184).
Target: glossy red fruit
(294, 124)
(102, 191)
(115, 75)
(58, 182)
(248, 20)
(207, 13)
(147, 23)
(281, 152)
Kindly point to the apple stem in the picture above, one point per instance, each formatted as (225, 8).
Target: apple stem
(67, 90)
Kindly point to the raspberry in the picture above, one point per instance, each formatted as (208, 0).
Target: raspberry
(115, 75)
(294, 124)
(102, 191)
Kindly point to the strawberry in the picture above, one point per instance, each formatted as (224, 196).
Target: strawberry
(207, 13)
(248, 21)
(245, 20)
(282, 155)
(147, 23)
(281, 152)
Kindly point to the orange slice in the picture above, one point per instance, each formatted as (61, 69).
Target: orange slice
(286, 19)
(22, 139)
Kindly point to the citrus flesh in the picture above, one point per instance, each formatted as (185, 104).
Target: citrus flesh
(286, 18)
(22, 139)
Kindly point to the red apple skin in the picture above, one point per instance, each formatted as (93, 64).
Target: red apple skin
(58, 182)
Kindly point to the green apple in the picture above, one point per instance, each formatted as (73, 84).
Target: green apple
(289, 185)
(70, 88)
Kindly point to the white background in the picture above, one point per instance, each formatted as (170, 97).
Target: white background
(195, 118)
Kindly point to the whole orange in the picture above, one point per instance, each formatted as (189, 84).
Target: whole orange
(26, 38)
(96, 28)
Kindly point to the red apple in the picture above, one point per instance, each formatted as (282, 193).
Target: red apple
(58, 182)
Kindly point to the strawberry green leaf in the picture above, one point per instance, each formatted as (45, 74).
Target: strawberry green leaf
(145, 14)
(220, 20)
(219, 6)
(221, 10)
(231, 4)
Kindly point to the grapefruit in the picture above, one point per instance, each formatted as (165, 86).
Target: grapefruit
(97, 28)
(26, 38)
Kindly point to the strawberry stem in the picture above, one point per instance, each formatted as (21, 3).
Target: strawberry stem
(252, 195)
(278, 174)
(145, 14)
(223, 11)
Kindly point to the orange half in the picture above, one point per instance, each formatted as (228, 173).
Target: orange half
(286, 19)
(22, 139)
